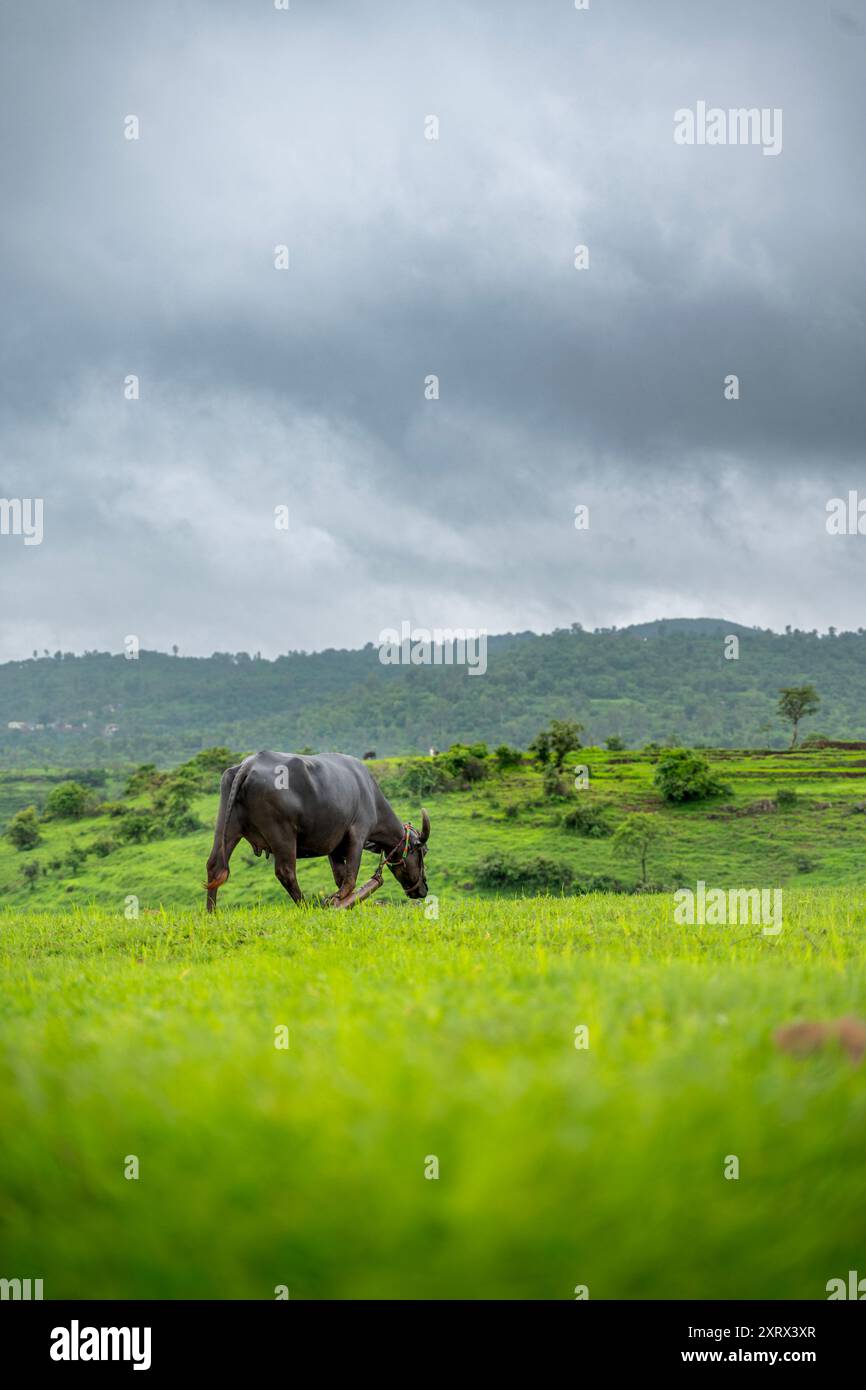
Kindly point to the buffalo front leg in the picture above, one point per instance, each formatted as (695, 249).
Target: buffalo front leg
(337, 862)
(351, 867)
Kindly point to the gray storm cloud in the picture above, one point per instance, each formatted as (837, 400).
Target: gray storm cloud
(411, 257)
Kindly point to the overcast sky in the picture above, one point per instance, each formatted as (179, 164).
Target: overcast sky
(408, 257)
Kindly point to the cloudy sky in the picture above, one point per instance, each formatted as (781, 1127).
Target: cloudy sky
(409, 257)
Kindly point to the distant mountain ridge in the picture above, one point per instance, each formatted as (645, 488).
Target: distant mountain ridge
(668, 680)
(696, 626)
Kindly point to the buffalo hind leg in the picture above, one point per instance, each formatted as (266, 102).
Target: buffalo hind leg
(285, 859)
(218, 867)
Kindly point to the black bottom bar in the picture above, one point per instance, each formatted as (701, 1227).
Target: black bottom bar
(223, 1337)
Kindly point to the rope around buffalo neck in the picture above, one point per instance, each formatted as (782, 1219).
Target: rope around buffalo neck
(401, 849)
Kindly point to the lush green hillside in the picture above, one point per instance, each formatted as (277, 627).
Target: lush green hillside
(417, 1048)
(502, 834)
(663, 682)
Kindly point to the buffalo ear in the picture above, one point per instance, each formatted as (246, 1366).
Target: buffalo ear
(425, 826)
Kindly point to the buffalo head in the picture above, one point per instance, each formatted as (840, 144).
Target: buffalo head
(408, 869)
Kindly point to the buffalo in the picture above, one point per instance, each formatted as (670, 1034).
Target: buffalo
(296, 807)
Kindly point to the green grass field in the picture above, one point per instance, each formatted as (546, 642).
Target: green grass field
(411, 1038)
(442, 1031)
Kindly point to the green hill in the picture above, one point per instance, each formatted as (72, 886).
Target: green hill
(668, 681)
(502, 835)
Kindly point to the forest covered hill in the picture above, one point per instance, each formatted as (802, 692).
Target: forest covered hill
(668, 681)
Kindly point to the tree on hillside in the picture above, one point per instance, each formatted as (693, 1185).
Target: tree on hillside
(636, 835)
(682, 775)
(553, 744)
(797, 702)
(67, 801)
(23, 829)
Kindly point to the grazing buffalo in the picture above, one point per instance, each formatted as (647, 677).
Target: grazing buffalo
(296, 807)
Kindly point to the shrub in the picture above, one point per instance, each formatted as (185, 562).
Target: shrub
(23, 829)
(586, 819)
(75, 857)
(137, 828)
(172, 802)
(786, 797)
(474, 770)
(67, 801)
(417, 779)
(465, 761)
(144, 779)
(173, 798)
(103, 846)
(175, 793)
(30, 870)
(538, 875)
(682, 775)
(424, 777)
(554, 787)
(507, 757)
(93, 777)
(182, 823)
(209, 761)
(815, 740)
(614, 744)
